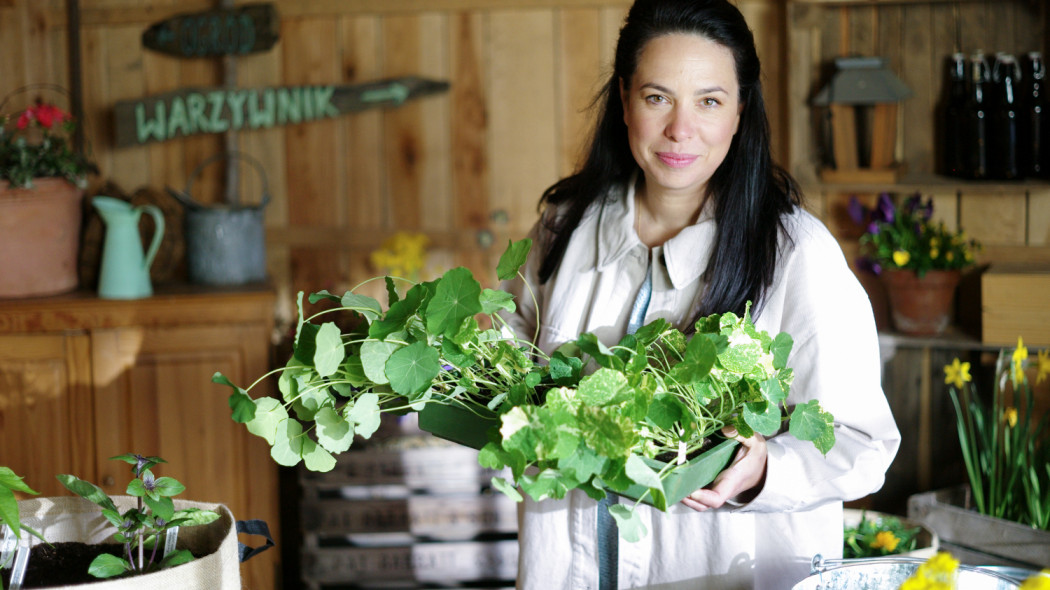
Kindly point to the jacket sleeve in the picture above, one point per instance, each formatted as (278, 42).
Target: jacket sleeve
(836, 360)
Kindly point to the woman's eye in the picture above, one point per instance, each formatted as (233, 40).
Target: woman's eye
(710, 102)
(655, 99)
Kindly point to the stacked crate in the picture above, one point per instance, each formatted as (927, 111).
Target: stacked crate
(406, 510)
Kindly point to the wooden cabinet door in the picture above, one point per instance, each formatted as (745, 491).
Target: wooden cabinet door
(46, 409)
(154, 396)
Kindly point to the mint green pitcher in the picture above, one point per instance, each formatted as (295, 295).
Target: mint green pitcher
(125, 269)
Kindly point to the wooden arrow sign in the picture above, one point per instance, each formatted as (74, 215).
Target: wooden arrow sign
(249, 28)
(194, 111)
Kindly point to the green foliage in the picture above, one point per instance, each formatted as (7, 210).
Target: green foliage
(580, 418)
(878, 537)
(34, 143)
(142, 527)
(9, 484)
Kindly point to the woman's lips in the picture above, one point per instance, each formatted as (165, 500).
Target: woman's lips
(676, 160)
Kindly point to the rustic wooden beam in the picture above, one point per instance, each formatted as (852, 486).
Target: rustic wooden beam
(877, 2)
(126, 15)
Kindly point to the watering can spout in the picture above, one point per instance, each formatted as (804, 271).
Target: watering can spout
(125, 267)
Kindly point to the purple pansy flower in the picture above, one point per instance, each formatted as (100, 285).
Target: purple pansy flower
(857, 211)
(885, 209)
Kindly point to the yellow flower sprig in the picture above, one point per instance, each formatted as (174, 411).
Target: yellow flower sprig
(957, 373)
(1018, 361)
(402, 255)
(937, 573)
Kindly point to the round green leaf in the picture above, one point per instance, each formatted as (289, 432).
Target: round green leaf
(628, 522)
(333, 431)
(365, 415)
(457, 297)
(602, 387)
(374, 355)
(269, 412)
(329, 352)
(412, 369)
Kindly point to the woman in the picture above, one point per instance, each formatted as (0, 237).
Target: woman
(679, 196)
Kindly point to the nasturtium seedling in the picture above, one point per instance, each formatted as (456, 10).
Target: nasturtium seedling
(587, 416)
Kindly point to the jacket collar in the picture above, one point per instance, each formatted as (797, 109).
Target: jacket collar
(686, 255)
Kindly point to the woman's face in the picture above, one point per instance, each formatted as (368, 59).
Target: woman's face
(681, 110)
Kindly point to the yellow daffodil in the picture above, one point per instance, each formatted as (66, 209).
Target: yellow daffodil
(937, 573)
(957, 373)
(900, 257)
(949, 256)
(1019, 358)
(885, 540)
(1010, 416)
(934, 253)
(1040, 581)
(1044, 366)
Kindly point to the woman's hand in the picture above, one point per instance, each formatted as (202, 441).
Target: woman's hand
(744, 477)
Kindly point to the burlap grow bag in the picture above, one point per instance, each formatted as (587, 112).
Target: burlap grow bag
(72, 518)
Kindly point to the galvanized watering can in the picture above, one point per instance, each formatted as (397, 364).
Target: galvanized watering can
(888, 573)
(225, 242)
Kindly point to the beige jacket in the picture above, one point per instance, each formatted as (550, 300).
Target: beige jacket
(768, 543)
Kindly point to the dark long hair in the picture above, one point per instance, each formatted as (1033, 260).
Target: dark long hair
(751, 193)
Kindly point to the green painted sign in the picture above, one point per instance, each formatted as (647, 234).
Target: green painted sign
(194, 111)
(249, 28)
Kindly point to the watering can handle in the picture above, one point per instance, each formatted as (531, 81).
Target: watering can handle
(158, 233)
(230, 155)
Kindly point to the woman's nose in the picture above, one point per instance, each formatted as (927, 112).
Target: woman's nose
(680, 125)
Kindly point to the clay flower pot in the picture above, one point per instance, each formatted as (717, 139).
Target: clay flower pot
(920, 306)
(39, 238)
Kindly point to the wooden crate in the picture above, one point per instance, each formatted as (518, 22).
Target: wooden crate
(984, 539)
(1015, 301)
(417, 462)
(447, 517)
(406, 511)
(424, 563)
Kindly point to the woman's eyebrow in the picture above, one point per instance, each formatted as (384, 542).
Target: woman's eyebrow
(699, 91)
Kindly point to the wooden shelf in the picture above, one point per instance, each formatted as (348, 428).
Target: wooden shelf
(875, 2)
(932, 183)
(952, 339)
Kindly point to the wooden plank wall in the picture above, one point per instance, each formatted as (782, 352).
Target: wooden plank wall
(1012, 220)
(465, 167)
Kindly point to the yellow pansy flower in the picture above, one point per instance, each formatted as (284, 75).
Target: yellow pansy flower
(1010, 416)
(1044, 366)
(885, 540)
(900, 257)
(1019, 357)
(957, 373)
(949, 256)
(934, 252)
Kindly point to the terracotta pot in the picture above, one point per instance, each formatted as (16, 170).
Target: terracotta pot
(39, 238)
(920, 306)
